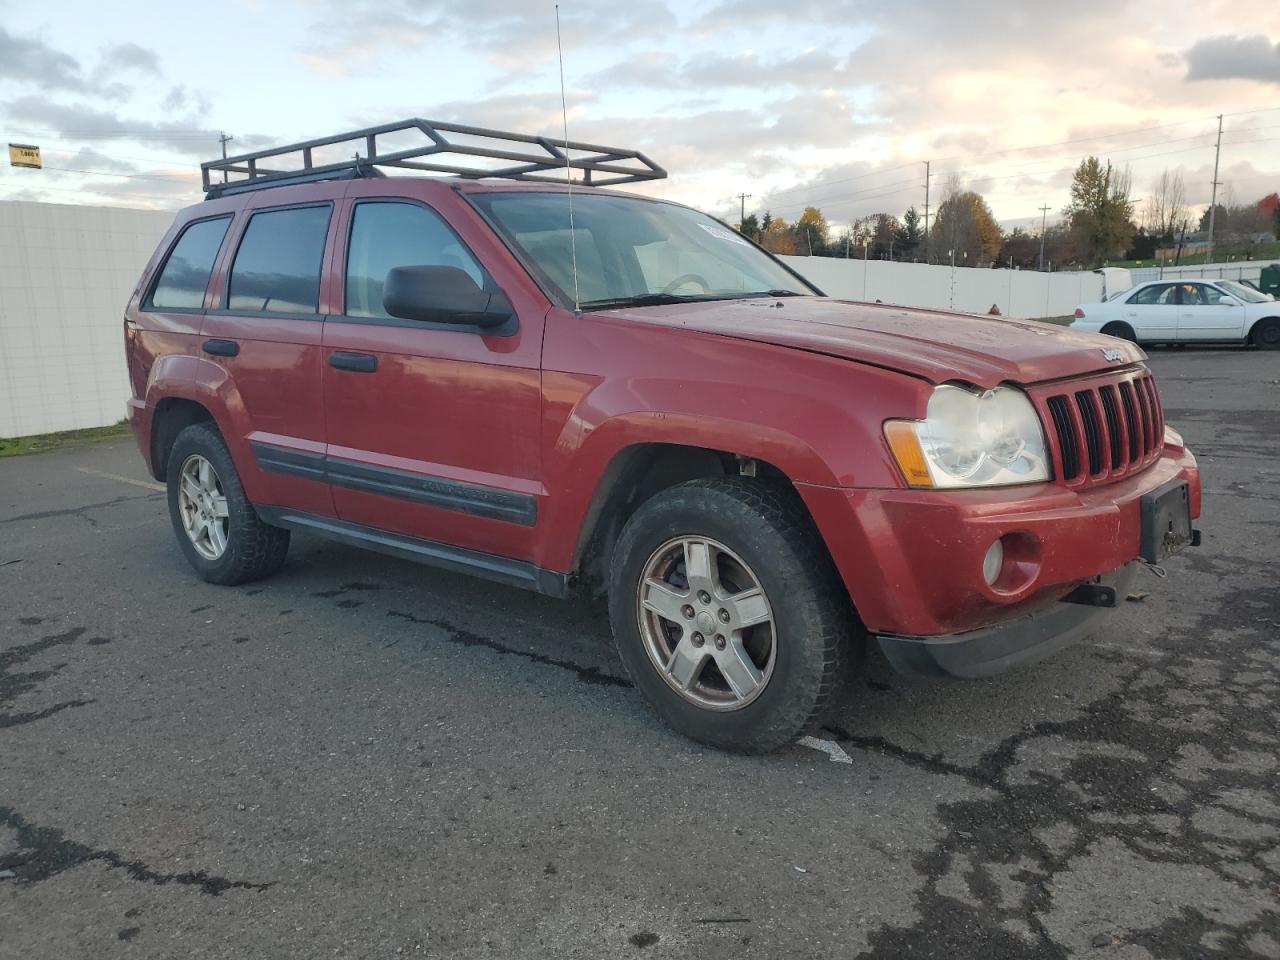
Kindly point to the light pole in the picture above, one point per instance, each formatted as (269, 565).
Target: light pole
(1044, 216)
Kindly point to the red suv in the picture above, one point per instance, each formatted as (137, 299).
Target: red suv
(576, 390)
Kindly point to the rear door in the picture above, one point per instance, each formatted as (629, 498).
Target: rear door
(1203, 316)
(266, 332)
(1152, 311)
(433, 428)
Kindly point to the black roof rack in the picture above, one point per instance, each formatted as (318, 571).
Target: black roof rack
(426, 146)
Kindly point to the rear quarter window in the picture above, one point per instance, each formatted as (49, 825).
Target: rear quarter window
(277, 268)
(185, 274)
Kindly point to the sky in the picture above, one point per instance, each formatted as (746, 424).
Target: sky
(831, 103)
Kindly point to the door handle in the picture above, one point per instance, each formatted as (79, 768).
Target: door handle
(354, 362)
(221, 348)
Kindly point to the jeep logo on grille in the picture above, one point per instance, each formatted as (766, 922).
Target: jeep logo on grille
(1115, 356)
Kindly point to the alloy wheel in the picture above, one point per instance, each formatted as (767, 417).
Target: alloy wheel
(706, 623)
(203, 507)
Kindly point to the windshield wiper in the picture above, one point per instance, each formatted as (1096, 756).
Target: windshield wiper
(645, 300)
(772, 293)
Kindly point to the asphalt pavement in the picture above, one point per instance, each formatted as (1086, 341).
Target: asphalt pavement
(361, 757)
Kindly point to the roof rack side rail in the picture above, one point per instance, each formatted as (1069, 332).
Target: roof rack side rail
(529, 158)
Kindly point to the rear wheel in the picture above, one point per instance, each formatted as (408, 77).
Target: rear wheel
(1266, 333)
(728, 613)
(220, 533)
(1121, 330)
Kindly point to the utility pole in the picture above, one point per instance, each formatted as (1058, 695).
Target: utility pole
(224, 140)
(926, 211)
(1044, 217)
(1213, 201)
(742, 218)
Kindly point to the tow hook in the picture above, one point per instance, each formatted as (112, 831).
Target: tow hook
(1092, 595)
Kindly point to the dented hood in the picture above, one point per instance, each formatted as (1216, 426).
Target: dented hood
(934, 345)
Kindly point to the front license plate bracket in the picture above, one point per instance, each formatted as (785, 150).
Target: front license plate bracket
(1166, 521)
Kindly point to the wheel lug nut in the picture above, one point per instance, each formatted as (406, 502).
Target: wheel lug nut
(719, 641)
(704, 596)
(687, 611)
(698, 639)
(724, 615)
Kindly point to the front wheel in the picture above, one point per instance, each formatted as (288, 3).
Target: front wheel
(1266, 334)
(728, 613)
(220, 533)
(1121, 330)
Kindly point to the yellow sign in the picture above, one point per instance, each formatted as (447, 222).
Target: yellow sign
(24, 155)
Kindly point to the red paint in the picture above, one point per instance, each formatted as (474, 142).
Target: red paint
(801, 384)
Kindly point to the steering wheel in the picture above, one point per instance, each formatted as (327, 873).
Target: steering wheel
(684, 278)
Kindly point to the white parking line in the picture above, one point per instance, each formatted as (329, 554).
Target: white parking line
(115, 476)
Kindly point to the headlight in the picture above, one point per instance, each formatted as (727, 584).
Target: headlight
(970, 439)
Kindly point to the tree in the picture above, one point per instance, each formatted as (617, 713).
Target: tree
(884, 229)
(1166, 207)
(965, 229)
(776, 236)
(750, 226)
(1020, 247)
(910, 235)
(1100, 211)
(1144, 244)
(811, 233)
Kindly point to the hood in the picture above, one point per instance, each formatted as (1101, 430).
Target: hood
(933, 345)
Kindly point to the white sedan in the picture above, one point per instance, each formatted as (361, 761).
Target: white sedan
(1183, 311)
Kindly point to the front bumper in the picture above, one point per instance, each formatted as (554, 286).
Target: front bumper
(991, 650)
(912, 559)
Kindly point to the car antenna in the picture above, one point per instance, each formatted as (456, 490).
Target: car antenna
(568, 170)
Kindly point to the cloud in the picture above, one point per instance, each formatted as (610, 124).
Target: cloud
(26, 59)
(80, 122)
(1234, 58)
(813, 69)
(130, 56)
(511, 34)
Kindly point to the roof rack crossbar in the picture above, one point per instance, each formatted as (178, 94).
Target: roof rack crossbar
(547, 157)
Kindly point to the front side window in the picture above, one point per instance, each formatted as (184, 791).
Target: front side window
(185, 274)
(277, 268)
(387, 234)
(1209, 294)
(1156, 294)
(632, 251)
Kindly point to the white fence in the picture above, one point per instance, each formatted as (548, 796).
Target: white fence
(1018, 293)
(1240, 270)
(66, 273)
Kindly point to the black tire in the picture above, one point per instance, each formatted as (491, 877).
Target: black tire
(1266, 334)
(253, 549)
(814, 627)
(1121, 330)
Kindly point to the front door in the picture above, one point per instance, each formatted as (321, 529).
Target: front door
(432, 428)
(1203, 316)
(266, 330)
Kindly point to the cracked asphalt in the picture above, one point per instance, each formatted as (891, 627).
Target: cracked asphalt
(365, 758)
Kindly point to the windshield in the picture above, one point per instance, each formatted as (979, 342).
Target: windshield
(633, 251)
(1242, 293)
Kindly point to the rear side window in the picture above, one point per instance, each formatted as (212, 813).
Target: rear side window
(277, 268)
(1157, 293)
(185, 274)
(387, 234)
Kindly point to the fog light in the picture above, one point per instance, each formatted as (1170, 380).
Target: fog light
(993, 562)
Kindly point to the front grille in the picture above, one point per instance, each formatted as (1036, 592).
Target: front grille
(1102, 428)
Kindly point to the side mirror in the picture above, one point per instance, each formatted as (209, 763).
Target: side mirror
(442, 295)
(1228, 301)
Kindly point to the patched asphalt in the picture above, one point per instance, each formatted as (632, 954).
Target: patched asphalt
(365, 758)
